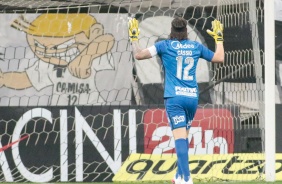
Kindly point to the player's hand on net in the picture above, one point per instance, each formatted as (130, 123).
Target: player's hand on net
(133, 29)
(217, 31)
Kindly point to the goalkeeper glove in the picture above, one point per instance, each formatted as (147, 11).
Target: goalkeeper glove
(217, 31)
(133, 29)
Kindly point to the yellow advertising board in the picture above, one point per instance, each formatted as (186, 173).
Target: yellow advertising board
(235, 167)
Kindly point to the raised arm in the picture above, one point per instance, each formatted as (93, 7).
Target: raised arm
(133, 31)
(217, 34)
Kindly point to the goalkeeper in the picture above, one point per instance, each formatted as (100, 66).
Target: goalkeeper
(180, 57)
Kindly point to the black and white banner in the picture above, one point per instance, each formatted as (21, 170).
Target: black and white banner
(48, 144)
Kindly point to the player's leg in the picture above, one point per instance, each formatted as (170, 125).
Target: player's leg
(176, 113)
(190, 109)
(181, 149)
(179, 171)
(178, 175)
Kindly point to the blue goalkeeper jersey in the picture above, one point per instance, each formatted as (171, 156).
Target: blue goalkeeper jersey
(180, 59)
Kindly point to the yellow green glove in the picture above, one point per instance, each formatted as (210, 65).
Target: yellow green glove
(133, 29)
(217, 31)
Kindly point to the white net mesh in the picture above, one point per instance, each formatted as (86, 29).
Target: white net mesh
(71, 89)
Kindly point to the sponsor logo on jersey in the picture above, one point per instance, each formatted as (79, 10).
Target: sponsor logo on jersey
(192, 92)
(189, 124)
(178, 45)
(178, 119)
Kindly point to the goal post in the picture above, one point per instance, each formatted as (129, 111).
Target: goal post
(269, 121)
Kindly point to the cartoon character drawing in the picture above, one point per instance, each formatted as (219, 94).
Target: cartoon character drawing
(67, 47)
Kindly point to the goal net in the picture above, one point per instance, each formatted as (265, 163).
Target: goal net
(75, 106)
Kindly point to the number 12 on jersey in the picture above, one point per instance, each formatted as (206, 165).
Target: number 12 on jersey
(187, 63)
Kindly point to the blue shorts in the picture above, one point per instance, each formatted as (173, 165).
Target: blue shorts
(180, 111)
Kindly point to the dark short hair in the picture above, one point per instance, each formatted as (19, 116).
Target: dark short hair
(178, 29)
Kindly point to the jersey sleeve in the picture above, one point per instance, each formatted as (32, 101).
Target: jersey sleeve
(156, 49)
(153, 50)
(159, 47)
(207, 54)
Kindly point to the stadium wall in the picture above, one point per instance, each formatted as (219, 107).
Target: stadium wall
(48, 144)
(42, 142)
